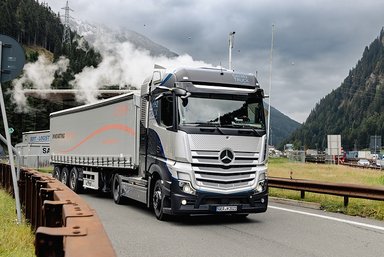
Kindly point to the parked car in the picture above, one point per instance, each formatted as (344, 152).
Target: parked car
(380, 163)
(363, 162)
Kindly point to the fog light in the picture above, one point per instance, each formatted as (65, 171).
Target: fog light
(262, 200)
(183, 202)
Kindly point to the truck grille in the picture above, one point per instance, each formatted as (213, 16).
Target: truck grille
(211, 172)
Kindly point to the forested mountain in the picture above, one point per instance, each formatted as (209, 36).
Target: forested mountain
(35, 26)
(282, 126)
(355, 110)
(31, 23)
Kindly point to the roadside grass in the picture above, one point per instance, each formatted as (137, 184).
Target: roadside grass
(15, 240)
(330, 173)
(48, 169)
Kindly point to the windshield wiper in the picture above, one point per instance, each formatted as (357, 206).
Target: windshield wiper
(246, 126)
(205, 124)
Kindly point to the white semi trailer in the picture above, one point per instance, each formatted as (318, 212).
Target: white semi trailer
(191, 142)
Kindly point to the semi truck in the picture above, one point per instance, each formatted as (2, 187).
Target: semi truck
(191, 141)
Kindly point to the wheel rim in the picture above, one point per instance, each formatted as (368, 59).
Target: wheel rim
(157, 199)
(64, 178)
(56, 174)
(73, 180)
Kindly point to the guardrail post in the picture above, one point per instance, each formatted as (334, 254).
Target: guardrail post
(2, 176)
(47, 245)
(302, 194)
(9, 184)
(28, 195)
(53, 213)
(34, 198)
(49, 241)
(346, 201)
(39, 204)
(22, 188)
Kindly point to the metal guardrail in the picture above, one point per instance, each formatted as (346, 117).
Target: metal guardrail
(64, 225)
(345, 190)
(354, 165)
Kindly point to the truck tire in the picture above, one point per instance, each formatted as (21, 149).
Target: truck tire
(56, 173)
(157, 201)
(64, 177)
(73, 182)
(116, 189)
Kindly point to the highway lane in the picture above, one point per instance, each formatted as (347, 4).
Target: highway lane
(282, 231)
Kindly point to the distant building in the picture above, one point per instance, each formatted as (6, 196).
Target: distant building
(34, 149)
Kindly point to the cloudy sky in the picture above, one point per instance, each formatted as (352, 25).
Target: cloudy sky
(316, 42)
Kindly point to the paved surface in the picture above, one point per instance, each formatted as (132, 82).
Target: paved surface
(283, 230)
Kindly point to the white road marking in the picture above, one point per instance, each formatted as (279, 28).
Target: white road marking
(328, 218)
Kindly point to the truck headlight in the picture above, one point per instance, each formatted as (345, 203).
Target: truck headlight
(186, 187)
(261, 183)
(260, 186)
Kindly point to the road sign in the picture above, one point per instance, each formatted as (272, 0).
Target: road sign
(11, 130)
(12, 58)
(12, 61)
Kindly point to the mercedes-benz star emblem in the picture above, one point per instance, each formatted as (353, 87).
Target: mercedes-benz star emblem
(226, 156)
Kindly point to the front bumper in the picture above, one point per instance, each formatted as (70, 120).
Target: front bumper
(207, 203)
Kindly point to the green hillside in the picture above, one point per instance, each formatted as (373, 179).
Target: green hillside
(282, 127)
(39, 30)
(355, 110)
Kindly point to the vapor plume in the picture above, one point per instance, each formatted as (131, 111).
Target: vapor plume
(123, 65)
(38, 75)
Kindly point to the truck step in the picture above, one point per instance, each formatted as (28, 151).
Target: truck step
(138, 181)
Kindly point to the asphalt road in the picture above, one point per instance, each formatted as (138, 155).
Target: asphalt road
(284, 230)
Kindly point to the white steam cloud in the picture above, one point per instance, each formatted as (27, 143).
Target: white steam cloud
(124, 65)
(38, 75)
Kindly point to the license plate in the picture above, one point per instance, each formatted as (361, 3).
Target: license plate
(226, 208)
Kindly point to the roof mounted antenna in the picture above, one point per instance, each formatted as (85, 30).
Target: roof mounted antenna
(231, 39)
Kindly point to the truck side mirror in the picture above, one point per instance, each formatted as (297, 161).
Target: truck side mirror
(161, 95)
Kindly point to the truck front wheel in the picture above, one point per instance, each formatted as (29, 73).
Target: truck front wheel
(157, 201)
(116, 189)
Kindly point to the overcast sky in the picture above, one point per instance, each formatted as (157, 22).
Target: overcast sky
(316, 42)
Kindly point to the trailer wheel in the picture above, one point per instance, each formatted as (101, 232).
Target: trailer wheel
(74, 183)
(64, 176)
(157, 201)
(56, 173)
(116, 189)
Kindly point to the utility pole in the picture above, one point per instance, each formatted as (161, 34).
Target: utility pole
(67, 31)
(231, 40)
(269, 130)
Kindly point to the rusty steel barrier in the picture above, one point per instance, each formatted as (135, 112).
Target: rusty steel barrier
(345, 190)
(64, 225)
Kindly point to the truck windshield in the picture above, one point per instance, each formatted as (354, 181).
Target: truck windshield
(222, 111)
